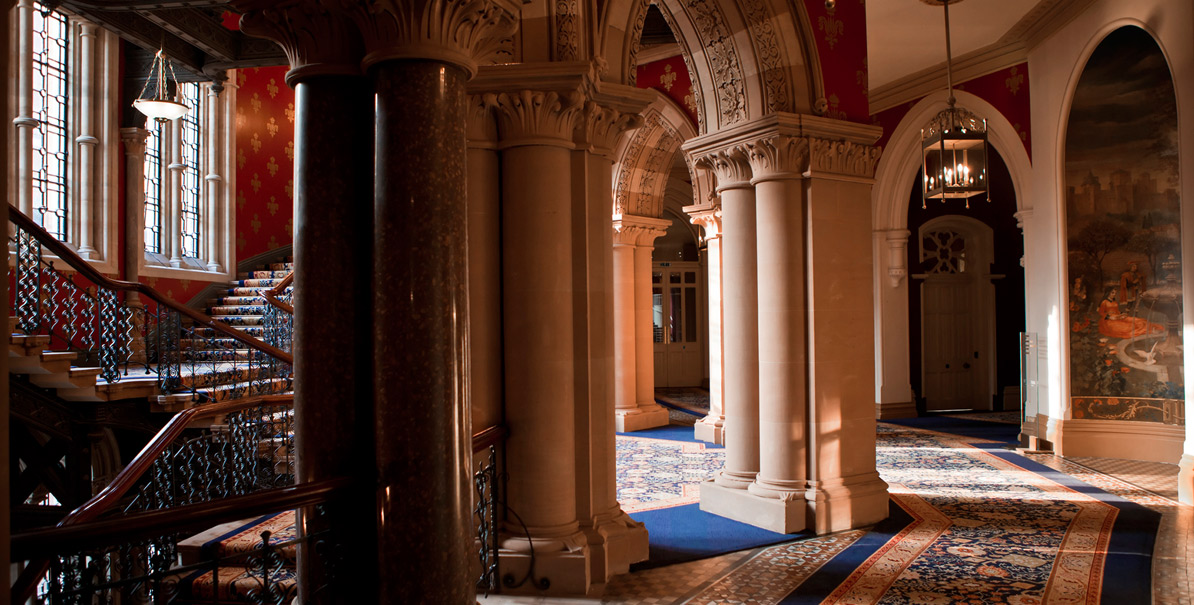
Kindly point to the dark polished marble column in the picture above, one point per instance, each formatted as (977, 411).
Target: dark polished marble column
(333, 336)
(421, 327)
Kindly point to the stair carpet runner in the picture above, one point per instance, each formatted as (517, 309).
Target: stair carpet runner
(243, 307)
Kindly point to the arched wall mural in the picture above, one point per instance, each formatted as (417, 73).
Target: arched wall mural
(1123, 220)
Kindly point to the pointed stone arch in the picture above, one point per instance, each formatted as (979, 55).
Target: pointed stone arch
(645, 159)
(740, 54)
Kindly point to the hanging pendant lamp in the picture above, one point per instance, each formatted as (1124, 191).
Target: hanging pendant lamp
(160, 107)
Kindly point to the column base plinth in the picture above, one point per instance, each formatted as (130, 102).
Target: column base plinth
(557, 572)
(902, 409)
(785, 516)
(615, 543)
(641, 418)
(710, 432)
(1185, 479)
(846, 503)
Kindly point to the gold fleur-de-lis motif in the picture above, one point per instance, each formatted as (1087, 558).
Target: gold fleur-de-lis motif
(240, 199)
(240, 157)
(272, 206)
(290, 228)
(668, 78)
(241, 242)
(255, 223)
(290, 189)
(255, 182)
(290, 112)
(241, 120)
(832, 27)
(1014, 81)
(834, 111)
(272, 166)
(273, 242)
(290, 150)
(256, 103)
(186, 284)
(241, 76)
(255, 142)
(272, 88)
(272, 127)
(690, 102)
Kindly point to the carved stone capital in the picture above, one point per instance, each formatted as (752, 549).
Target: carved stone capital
(134, 141)
(452, 31)
(318, 38)
(633, 230)
(481, 127)
(531, 117)
(845, 158)
(897, 245)
(777, 157)
(1022, 217)
(600, 128)
(731, 166)
(707, 218)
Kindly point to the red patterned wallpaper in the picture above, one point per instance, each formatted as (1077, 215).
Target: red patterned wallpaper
(840, 34)
(1006, 89)
(264, 161)
(670, 76)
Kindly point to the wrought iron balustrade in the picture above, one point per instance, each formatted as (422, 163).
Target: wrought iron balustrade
(279, 314)
(129, 328)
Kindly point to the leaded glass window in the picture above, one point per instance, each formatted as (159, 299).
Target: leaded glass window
(191, 94)
(50, 105)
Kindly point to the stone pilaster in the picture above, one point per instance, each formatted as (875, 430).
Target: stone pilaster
(708, 217)
(24, 121)
(893, 393)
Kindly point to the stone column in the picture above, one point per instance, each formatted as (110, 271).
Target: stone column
(484, 267)
(25, 122)
(86, 142)
(844, 490)
(778, 163)
(214, 181)
(893, 393)
(172, 205)
(134, 228)
(614, 538)
(739, 330)
(711, 428)
(633, 325)
(535, 129)
(333, 326)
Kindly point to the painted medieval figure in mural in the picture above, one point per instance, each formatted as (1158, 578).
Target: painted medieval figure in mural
(1123, 216)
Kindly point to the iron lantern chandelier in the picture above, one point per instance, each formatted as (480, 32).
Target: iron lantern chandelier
(954, 146)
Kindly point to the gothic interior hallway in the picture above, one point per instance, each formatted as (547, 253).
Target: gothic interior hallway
(972, 521)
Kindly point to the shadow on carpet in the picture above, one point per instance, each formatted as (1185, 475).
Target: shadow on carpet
(686, 533)
(979, 429)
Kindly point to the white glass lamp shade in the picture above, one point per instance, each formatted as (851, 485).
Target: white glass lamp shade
(161, 109)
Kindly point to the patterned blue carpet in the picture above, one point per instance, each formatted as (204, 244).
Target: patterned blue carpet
(971, 521)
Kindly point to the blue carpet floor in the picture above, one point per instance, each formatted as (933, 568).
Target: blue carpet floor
(686, 533)
(671, 432)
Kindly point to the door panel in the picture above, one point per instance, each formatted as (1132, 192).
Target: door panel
(679, 339)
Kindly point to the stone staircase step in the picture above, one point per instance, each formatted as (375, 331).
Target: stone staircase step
(239, 537)
(129, 387)
(238, 300)
(240, 320)
(262, 274)
(42, 363)
(221, 311)
(258, 283)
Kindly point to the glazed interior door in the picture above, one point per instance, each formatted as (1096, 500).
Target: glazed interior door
(676, 305)
(951, 365)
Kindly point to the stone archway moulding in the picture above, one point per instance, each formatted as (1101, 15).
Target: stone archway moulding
(901, 159)
(894, 178)
(645, 158)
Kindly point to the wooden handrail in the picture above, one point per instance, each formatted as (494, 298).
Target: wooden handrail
(127, 478)
(271, 295)
(488, 437)
(85, 269)
(43, 543)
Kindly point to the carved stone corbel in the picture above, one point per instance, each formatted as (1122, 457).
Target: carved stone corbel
(534, 117)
